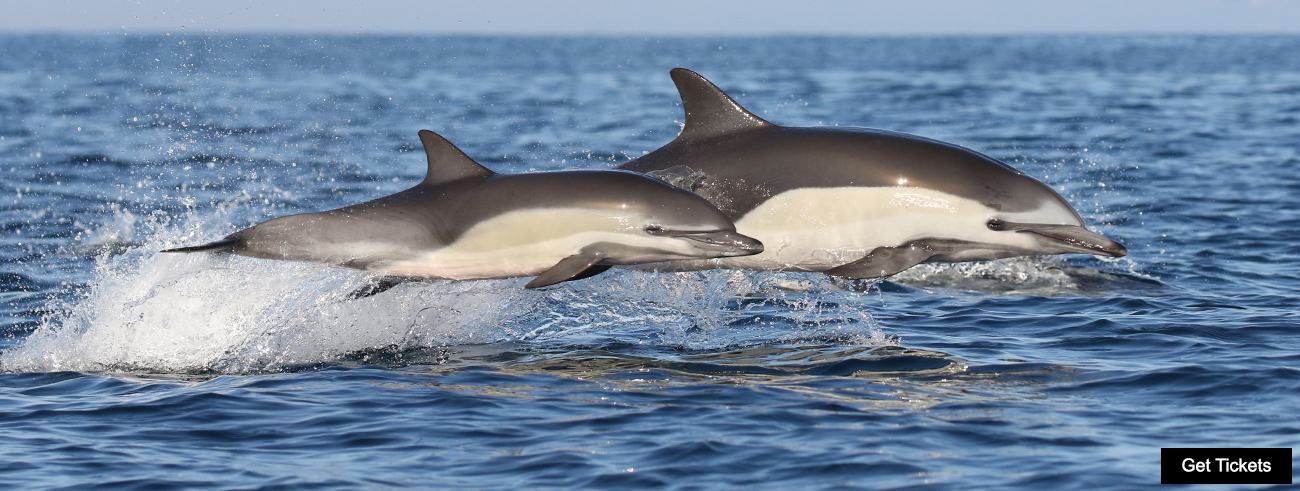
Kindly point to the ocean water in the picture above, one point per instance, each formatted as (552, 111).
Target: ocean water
(123, 368)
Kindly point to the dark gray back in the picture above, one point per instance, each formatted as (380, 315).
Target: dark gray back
(445, 207)
(739, 160)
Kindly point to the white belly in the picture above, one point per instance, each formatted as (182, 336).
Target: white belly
(527, 243)
(815, 229)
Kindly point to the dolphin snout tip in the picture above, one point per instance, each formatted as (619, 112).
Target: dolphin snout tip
(749, 245)
(1102, 245)
(725, 243)
(1115, 249)
(740, 245)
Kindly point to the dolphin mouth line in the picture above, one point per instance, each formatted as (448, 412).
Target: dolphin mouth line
(724, 243)
(1065, 238)
(1109, 248)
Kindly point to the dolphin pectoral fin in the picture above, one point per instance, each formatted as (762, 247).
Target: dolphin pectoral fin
(885, 261)
(575, 267)
(592, 271)
(378, 285)
(224, 245)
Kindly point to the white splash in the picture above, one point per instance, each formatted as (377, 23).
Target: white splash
(152, 312)
(179, 313)
(1035, 275)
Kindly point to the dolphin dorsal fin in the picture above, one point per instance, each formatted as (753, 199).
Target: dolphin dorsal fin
(710, 112)
(446, 162)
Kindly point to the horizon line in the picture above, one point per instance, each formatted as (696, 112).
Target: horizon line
(648, 34)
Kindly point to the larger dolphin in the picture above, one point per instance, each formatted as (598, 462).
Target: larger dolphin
(467, 222)
(857, 202)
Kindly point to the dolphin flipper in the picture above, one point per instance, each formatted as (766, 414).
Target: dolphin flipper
(885, 261)
(224, 245)
(575, 267)
(378, 285)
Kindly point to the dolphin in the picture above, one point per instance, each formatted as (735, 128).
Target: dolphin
(466, 222)
(857, 202)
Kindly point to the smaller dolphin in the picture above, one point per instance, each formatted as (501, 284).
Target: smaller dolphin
(857, 202)
(466, 222)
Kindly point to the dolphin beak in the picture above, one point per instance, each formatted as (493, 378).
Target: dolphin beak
(1059, 239)
(1072, 238)
(724, 243)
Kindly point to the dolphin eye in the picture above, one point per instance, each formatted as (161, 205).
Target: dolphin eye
(996, 224)
(654, 230)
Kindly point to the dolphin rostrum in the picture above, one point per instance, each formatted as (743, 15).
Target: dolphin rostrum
(857, 202)
(467, 222)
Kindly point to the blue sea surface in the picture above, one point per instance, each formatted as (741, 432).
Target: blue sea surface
(124, 368)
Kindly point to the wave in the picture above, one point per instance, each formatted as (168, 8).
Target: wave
(149, 312)
(1031, 275)
(159, 313)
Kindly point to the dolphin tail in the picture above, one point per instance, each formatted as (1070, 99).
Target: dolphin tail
(224, 245)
